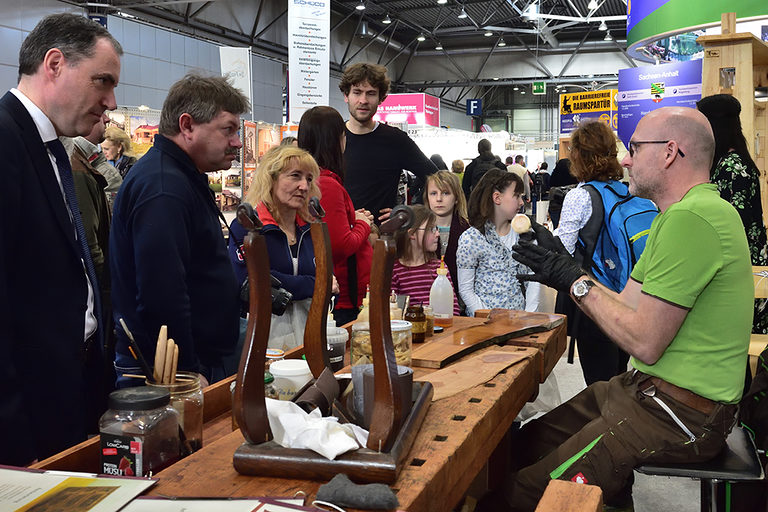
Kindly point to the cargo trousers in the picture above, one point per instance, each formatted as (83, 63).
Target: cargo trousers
(605, 431)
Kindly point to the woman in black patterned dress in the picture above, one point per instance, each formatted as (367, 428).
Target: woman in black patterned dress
(737, 178)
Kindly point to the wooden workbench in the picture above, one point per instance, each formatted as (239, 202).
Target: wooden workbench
(458, 436)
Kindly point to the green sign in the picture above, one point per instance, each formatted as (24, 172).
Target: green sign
(539, 88)
(651, 20)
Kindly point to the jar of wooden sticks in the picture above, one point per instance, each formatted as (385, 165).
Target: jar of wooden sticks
(187, 399)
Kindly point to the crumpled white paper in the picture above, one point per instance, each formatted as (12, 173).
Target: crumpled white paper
(294, 428)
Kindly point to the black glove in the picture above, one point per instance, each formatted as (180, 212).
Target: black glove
(546, 239)
(553, 269)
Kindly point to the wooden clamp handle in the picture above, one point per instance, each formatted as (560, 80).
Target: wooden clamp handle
(387, 407)
(315, 339)
(249, 405)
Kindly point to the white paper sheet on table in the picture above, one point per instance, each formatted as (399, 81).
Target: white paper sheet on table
(219, 505)
(55, 489)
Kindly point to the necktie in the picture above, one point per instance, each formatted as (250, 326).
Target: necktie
(68, 184)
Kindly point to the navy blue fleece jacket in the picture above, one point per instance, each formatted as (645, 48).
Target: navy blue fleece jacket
(301, 285)
(169, 262)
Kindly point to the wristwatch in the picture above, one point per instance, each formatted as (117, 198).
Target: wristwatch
(581, 289)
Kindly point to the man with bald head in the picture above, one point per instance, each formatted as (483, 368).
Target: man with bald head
(51, 330)
(684, 316)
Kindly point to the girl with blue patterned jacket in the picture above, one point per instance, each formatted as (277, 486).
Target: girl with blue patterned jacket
(487, 272)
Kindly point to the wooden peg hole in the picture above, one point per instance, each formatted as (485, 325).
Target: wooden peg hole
(417, 462)
(441, 438)
(475, 400)
(458, 417)
(489, 385)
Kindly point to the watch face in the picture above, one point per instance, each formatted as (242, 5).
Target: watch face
(581, 289)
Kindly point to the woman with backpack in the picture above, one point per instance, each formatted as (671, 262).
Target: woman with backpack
(593, 158)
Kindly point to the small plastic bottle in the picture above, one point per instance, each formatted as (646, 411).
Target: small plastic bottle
(441, 297)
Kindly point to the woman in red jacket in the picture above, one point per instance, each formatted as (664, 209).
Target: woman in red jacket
(321, 132)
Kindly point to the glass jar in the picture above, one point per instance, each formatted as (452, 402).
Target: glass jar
(415, 315)
(274, 354)
(187, 399)
(270, 391)
(360, 346)
(430, 316)
(139, 432)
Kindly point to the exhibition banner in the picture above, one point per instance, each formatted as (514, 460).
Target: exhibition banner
(413, 108)
(650, 87)
(651, 20)
(309, 30)
(578, 106)
(236, 65)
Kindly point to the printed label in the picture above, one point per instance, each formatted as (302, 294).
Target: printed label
(419, 327)
(121, 455)
(579, 478)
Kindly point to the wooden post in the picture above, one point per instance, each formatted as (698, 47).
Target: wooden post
(746, 57)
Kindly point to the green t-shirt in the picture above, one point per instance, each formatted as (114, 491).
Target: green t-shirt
(697, 257)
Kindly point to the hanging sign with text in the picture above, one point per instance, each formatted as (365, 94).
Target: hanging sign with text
(413, 108)
(578, 106)
(650, 87)
(309, 30)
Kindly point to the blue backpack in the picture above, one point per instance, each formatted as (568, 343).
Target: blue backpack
(611, 242)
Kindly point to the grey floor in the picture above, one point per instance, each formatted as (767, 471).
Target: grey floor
(650, 494)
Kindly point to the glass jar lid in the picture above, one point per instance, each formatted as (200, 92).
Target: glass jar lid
(275, 353)
(142, 398)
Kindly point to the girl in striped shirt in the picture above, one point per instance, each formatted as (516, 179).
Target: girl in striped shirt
(416, 266)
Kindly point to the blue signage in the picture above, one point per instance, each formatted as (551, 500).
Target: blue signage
(650, 87)
(475, 107)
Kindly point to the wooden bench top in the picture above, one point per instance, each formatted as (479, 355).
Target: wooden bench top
(455, 441)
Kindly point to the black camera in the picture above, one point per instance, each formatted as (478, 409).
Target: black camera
(280, 296)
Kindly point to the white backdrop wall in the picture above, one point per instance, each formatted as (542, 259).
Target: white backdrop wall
(154, 58)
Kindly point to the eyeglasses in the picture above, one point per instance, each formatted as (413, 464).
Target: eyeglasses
(633, 144)
(433, 229)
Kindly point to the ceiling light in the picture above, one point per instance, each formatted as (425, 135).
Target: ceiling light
(438, 46)
(442, 2)
(515, 88)
(488, 33)
(495, 78)
(463, 14)
(592, 5)
(522, 92)
(143, 107)
(603, 26)
(387, 20)
(502, 43)
(421, 37)
(607, 37)
(360, 6)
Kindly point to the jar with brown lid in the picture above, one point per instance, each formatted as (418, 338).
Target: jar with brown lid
(415, 315)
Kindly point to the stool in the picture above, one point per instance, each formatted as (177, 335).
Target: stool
(738, 462)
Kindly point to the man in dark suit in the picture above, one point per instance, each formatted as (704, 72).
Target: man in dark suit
(49, 314)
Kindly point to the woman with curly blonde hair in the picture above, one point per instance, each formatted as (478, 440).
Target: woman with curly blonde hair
(593, 158)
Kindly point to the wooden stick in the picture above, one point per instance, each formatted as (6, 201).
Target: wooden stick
(175, 363)
(162, 340)
(167, 367)
(138, 376)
